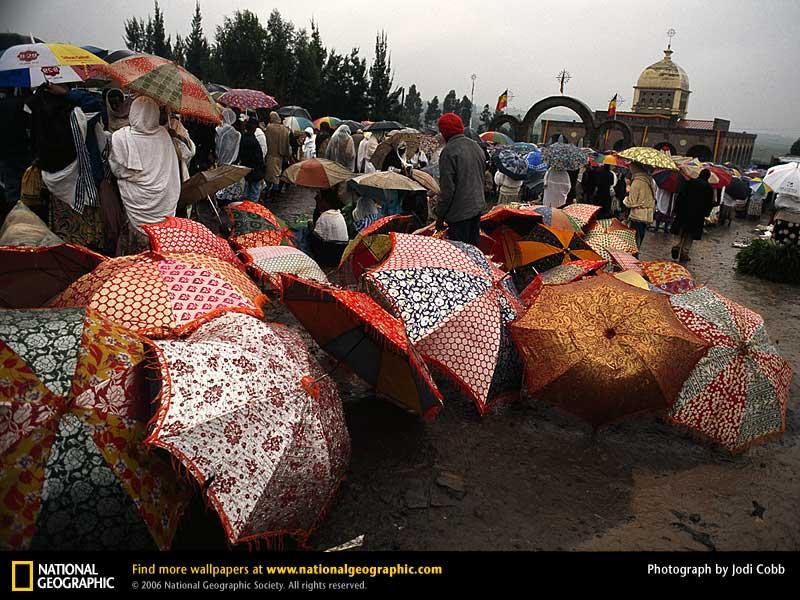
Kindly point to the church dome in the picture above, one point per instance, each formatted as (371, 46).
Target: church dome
(664, 75)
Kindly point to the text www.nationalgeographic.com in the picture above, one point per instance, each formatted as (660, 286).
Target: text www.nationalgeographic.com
(353, 571)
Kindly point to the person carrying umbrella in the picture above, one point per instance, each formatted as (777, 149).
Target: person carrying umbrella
(692, 206)
(641, 201)
(278, 151)
(461, 167)
(250, 155)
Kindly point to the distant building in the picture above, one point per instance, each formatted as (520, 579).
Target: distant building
(658, 119)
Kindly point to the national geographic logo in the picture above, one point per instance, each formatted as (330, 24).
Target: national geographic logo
(27, 577)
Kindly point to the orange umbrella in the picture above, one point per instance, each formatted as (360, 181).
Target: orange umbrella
(545, 247)
(317, 173)
(604, 350)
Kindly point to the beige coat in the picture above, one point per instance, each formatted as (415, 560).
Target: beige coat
(641, 199)
(278, 148)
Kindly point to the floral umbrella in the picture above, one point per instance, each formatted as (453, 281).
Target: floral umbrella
(266, 264)
(611, 234)
(253, 226)
(162, 295)
(511, 164)
(582, 214)
(246, 409)
(317, 173)
(354, 329)
(73, 413)
(668, 276)
(604, 350)
(455, 306)
(738, 392)
(31, 276)
(564, 157)
(165, 82)
(244, 99)
(174, 234)
(566, 273)
(649, 157)
(545, 247)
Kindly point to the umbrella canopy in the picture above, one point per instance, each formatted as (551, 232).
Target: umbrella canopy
(410, 137)
(294, 111)
(545, 247)
(535, 162)
(566, 273)
(73, 413)
(738, 392)
(244, 99)
(495, 137)
(426, 180)
(565, 157)
(165, 82)
(384, 180)
(598, 158)
(265, 265)
(246, 409)
(371, 246)
(216, 87)
(784, 179)
(253, 226)
(611, 234)
(582, 214)
(30, 277)
(332, 121)
(758, 187)
(737, 189)
(206, 183)
(455, 306)
(555, 217)
(626, 261)
(722, 174)
(101, 53)
(383, 126)
(649, 157)
(511, 164)
(668, 276)
(297, 123)
(30, 65)
(162, 295)
(604, 350)
(353, 125)
(508, 227)
(178, 235)
(354, 329)
(317, 173)
(119, 55)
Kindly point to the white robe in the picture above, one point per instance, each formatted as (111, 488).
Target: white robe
(331, 226)
(557, 185)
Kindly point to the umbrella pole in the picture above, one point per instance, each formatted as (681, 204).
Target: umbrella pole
(214, 208)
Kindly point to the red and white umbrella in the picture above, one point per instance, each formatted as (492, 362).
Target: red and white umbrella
(30, 65)
(244, 99)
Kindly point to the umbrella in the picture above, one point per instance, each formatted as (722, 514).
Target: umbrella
(332, 121)
(174, 234)
(32, 276)
(626, 261)
(598, 158)
(507, 227)
(216, 87)
(535, 162)
(611, 234)
(737, 189)
(371, 246)
(253, 225)
(294, 111)
(297, 123)
(555, 217)
(266, 264)
(317, 173)
(426, 180)
(582, 214)
(669, 180)
(488, 245)
(119, 55)
(511, 164)
(455, 306)
(668, 276)
(30, 65)
(383, 126)
(495, 137)
(205, 184)
(564, 157)
(559, 275)
(649, 157)
(73, 413)
(784, 179)
(161, 295)
(384, 180)
(100, 53)
(603, 350)
(723, 175)
(545, 247)
(410, 137)
(244, 99)
(246, 409)
(354, 329)
(165, 82)
(738, 392)
(353, 125)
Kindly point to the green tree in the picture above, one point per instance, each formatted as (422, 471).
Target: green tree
(432, 113)
(357, 84)
(464, 110)
(333, 98)
(179, 51)
(135, 34)
(450, 103)
(279, 62)
(486, 118)
(412, 108)
(381, 80)
(239, 50)
(197, 51)
(160, 45)
(795, 149)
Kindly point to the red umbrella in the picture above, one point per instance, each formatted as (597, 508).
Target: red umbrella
(184, 235)
(244, 99)
(566, 273)
(253, 225)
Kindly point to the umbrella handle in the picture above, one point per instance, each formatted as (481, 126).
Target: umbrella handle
(214, 208)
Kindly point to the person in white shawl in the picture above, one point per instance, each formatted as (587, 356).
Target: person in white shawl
(556, 188)
(365, 150)
(227, 139)
(340, 147)
(144, 161)
(310, 144)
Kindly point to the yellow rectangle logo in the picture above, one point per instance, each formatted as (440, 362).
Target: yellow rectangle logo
(16, 564)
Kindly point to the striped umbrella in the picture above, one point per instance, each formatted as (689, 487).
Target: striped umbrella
(30, 65)
(332, 121)
(495, 137)
(297, 123)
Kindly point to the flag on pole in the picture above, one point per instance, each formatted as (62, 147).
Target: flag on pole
(612, 108)
(502, 101)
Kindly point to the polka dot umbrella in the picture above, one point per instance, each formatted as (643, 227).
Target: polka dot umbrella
(244, 99)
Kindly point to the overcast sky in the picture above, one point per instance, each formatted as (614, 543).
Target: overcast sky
(740, 55)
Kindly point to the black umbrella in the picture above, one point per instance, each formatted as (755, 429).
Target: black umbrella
(353, 125)
(294, 111)
(737, 189)
(118, 55)
(384, 126)
(9, 39)
(216, 87)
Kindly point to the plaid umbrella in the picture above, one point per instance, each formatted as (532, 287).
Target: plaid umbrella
(73, 413)
(354, 329)
(253, 225)
(495, 137)
(738, 392)
(265, 265)
(31, 276)
(30, 65)
(603, 350)
(670, 277)
(455, 306)
(162, 295)
(582, 214)
(564, 157)
(510, 163)
(610, 234)
(178, 235)
(317, 173)
(649, 157)
(247, 410)
(566, 273)
(545, 247)
(626, 261)
(244, 99)
(165, 82)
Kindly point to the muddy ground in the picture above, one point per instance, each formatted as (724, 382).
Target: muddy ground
(528, 477)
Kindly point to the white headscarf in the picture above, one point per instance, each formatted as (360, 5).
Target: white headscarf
(227, 140)
(365, 150)
(340, 147)
(310, 145)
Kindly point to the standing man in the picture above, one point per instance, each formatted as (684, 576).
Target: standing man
(461, 167)
(693, 205)
(278, 151)
(251, 155)
(641, 201)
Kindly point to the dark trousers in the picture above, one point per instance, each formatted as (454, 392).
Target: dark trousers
(641, 229)
(468, 230)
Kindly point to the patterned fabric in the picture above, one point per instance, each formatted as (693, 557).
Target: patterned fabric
(455, 306)
(266, 265)
(626, 261)
(679, 286)
(160, 295)
(253, 226)
(545, 247)
(561, 274)
(85, 229)
(244, 99)
(241, 413)
(582, 214)
(605, 235)
(603, 350)
(738, 392)
(556, 217)
(174, 234)
(786, 233)
(663, 271)
(564, 157)
(649, 156)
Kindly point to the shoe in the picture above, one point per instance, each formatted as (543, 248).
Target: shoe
(675, 252)
(685, 258)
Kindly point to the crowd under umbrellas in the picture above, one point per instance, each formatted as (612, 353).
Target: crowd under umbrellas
(114, 365)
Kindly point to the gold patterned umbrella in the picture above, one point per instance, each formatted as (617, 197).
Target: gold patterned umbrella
(650, 157)
(604, 350)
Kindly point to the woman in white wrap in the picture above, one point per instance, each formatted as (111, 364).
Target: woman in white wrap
(310, 144)
(556, 188)
(144, 161)
(365, 150)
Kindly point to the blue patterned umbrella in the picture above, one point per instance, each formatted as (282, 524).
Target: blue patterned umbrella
(510, 163)
(564, 157)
